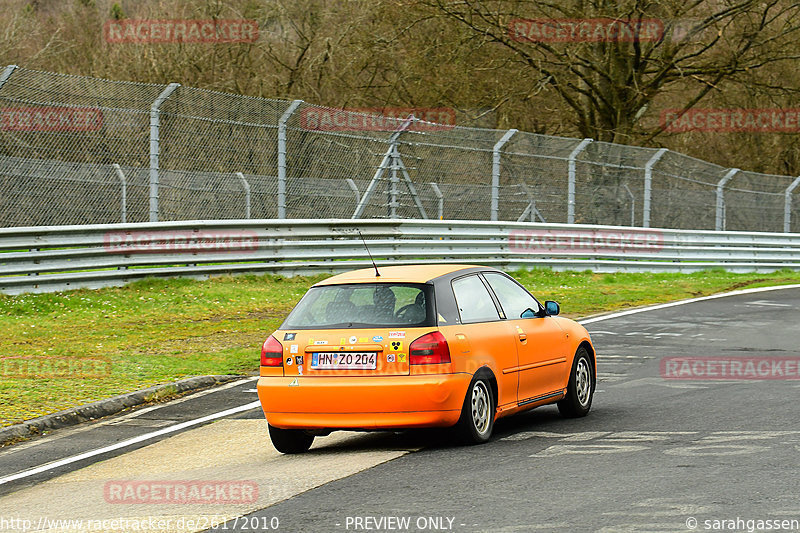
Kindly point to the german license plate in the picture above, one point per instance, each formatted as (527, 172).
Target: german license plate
(344, 360)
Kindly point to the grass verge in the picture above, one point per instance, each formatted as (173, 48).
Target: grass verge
(157, 331)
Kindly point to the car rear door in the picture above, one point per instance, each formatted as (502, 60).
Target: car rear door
(540, 343)
(490, 339)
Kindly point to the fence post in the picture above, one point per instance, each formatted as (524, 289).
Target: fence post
(155, 148)
(246, 194)
(123, 183)
(496, 171)
(388, 162)
(282, 156)
(720, 223)
(439, 198)
(354, 188)
(787, 205)
(9, 70)
(393, 183)
(571, 186)
(633, 204)
(648, 186)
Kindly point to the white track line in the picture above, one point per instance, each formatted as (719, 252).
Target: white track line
(129, 442)
(684, 302)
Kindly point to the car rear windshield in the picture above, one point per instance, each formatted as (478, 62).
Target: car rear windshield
(363, 305)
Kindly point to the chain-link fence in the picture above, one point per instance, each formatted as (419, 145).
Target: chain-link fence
(77, 150)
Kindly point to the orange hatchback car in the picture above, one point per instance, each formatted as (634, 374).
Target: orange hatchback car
(420, 346)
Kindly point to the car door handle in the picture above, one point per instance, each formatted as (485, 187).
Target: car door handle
(523, 337)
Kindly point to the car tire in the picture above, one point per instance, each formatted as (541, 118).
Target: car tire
(477, 414)
(580, 389)
(290, 440)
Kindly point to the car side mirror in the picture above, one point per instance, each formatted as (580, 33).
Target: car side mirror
(551, 308)
(528, 313)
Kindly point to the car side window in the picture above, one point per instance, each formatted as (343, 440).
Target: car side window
(474, 302)
(513, 299)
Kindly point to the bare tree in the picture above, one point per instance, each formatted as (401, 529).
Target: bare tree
(610, 79)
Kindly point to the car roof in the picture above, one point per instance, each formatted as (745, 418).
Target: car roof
(399, 274)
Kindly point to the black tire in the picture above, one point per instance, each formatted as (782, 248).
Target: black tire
(290, 440)
(477, 414)
(580, 390)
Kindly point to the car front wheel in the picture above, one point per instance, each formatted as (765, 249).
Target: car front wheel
(580, 389)
(290, 440)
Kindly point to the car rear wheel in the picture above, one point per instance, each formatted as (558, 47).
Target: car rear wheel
(580, 389)
(290, 440)
(477, 414)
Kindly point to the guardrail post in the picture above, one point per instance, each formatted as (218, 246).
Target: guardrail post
(282, 156)
(7, 72)
(787, 205)
(246, 194)
(720, 222)
(155, 148)
(496, 171)
(439, 198)
(123, 183)
(648, 186)
(571, 169)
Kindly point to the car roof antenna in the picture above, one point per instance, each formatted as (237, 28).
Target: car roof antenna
(377, 274)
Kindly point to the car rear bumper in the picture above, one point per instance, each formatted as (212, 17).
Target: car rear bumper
(379, 402)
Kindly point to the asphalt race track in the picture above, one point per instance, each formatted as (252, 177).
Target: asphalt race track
(711, 447)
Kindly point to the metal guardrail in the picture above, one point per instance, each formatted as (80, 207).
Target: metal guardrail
(45, 259)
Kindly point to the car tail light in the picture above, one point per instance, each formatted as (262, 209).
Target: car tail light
(272, 352)
(430, 349)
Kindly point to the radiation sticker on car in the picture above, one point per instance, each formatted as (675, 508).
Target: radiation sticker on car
(396, 346)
